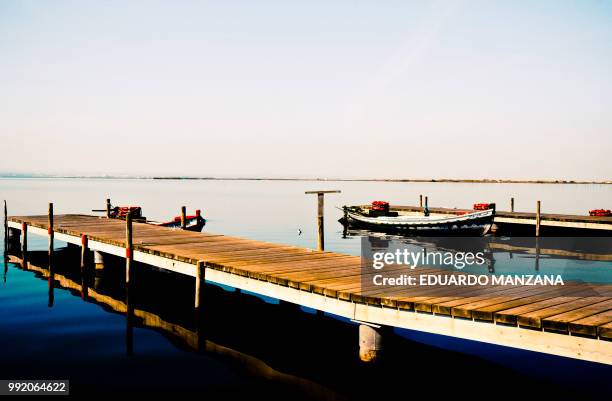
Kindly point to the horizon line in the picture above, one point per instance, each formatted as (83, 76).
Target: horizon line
(318, 179)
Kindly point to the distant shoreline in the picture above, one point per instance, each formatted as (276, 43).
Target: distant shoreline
(408, 180)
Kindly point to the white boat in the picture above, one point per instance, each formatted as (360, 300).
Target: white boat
(478, 222)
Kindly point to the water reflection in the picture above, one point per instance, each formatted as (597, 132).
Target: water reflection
(577, 258)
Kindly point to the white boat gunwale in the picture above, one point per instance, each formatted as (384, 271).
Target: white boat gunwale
(421, 220)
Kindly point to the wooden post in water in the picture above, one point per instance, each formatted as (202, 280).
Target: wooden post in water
(320, 223)
(370, 342)
(512, 204)
(50, 229)
(199, 283)
(129, 257)
(426, 210)
(51, 280)
(420, 200)
(199, 303)
(84, 267)
(320, 210)
(183, 217)
(24, 245)
(5, 227)
(538, 218)
(84, 243)
(108, 208)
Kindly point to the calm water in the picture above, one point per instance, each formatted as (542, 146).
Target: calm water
(87, 343)
(275, 210)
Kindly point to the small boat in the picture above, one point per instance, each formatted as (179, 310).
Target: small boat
(379, 217)
(192, 222)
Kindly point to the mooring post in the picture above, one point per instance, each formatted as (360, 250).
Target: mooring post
(420, 200)
(129, 257)
(199, 304)
(50, 229)
(24, 245)
(84, 243)
(183, 217)
(538, 218)
(512, 204)
(51, 280)
(5, 226)
(426, 210)
(320, 223)
(108, 208)
(84, 269)
(320, 212)
(199, 283)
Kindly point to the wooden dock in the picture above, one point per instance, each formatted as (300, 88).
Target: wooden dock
(529, 219)
(576, 324)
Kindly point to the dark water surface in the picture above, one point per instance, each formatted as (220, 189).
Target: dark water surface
(249, 346)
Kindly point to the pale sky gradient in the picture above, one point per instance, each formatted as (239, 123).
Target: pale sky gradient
(384, 89)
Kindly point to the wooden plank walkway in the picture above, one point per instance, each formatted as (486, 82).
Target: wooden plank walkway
(547, 219)
(334, 282)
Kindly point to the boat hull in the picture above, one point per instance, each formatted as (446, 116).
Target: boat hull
(193, 224)
(477, 223)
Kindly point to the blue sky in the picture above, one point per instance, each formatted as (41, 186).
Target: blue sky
(388, 89)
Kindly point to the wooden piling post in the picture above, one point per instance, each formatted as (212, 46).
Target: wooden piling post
(420, 200)
(538, 218)
(199, 283)
(199, 303)
(84, 244)
(5, 226)
(84, 267)
(24, 244)
(426, 210)
(50, 230)
(129, 257)
(320, 212)
(320, 223)
(183, 217)
(370, 342)
(108, 208)
(512, 204)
